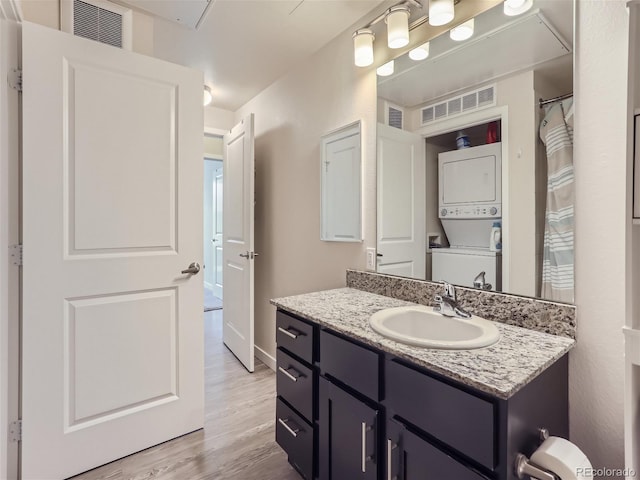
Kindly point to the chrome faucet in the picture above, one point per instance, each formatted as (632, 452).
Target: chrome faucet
(447, 304)
(480, 282)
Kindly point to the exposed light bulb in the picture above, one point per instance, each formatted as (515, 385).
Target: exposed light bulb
(441, 12)
(386, 69)
(517, 7)
(363, 47)
(208, 96)
(420, 53)
(397, 26)
(463, 31)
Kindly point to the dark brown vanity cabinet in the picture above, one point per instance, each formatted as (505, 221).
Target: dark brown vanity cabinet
(347, 411)
(296, 383)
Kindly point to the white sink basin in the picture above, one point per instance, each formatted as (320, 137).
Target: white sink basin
(420, 325)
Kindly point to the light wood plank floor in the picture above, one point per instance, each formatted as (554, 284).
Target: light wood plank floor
(238, 440)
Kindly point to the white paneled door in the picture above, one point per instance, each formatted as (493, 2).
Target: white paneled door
(401, 203)
(112, 214)
(237, 232)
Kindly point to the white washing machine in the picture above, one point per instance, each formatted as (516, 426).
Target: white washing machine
(460, 266)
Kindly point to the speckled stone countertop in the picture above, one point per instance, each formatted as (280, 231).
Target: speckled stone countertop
(500, 369)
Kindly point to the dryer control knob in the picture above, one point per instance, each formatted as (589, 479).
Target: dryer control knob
(493, 210)
(443, 212)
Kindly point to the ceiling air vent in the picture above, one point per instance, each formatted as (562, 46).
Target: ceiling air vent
(476, 100)
(98, 20)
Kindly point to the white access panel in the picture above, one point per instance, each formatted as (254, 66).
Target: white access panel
(460, 266)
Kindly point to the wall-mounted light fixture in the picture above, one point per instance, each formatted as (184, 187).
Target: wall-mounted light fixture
(397, 20)
(463, 31)
(363, 47)
(516, 7)
(441, 12)
(420, 53)
(386, 69)
(398, 26)
(208, 96)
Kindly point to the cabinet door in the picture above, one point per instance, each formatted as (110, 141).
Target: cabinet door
(347, 436)
(410, 457)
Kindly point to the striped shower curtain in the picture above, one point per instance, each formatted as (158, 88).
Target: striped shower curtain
(557, 266)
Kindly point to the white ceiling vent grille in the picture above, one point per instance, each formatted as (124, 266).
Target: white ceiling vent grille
(98, 20)
(476, 100)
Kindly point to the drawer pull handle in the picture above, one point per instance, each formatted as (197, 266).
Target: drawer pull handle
(290, 332)
(285, 423)
(390, 447)
(293, 378)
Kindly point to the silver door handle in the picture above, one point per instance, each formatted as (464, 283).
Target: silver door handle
(293, 378)
(292, 431)
(193, 268)
(244, 255)
(390, 447)
(365, 458)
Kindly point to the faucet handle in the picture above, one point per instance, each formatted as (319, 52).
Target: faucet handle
(449, 290)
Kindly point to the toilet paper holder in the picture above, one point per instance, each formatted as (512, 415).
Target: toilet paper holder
(525, 468)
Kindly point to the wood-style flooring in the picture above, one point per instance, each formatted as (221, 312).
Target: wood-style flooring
(238, 440)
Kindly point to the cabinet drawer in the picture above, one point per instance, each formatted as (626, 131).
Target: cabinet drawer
(455, 417)
(295, 436)
(295, 384)
(294, 335)
(352, 364)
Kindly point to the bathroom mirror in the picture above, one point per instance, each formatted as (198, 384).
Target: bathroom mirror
(341, 166)
(481, 93)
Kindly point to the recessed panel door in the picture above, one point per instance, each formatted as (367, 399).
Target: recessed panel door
(112, 218)
(401, 203)
(238, 241)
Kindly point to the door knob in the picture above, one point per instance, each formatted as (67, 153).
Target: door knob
(213, 240)
(193, 268)
(244, 255)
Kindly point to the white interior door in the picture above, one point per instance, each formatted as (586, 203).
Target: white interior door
(112, 213)
(238, 247)
(217, 238)
(401, 203)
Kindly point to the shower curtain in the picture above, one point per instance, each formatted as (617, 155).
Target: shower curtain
(556, 132)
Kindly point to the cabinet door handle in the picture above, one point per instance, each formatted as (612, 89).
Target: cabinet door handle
(364, 447)
(390, 447)
(293, 378)
(289, 332)
(285, 424)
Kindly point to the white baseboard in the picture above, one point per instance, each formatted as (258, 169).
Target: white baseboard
(264, 357)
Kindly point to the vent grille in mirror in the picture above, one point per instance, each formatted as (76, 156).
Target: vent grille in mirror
(482, 98)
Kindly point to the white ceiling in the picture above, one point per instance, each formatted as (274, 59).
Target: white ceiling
(243, 46)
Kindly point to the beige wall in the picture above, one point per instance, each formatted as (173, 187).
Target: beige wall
(218, 118)
(596, 368)
(321, 94)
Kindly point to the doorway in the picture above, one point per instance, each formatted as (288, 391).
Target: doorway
(212, 221)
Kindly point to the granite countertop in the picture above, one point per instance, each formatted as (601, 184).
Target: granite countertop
(500, 369)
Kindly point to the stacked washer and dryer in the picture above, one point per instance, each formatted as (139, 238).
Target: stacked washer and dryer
(470, 201)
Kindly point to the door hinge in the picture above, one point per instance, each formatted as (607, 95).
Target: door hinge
(15, 79)
(15, 431)
(15, 255)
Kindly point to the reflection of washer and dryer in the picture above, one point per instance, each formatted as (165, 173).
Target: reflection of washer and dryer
(470, 201)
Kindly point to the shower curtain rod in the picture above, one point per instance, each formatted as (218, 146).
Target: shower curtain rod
(555, 99)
